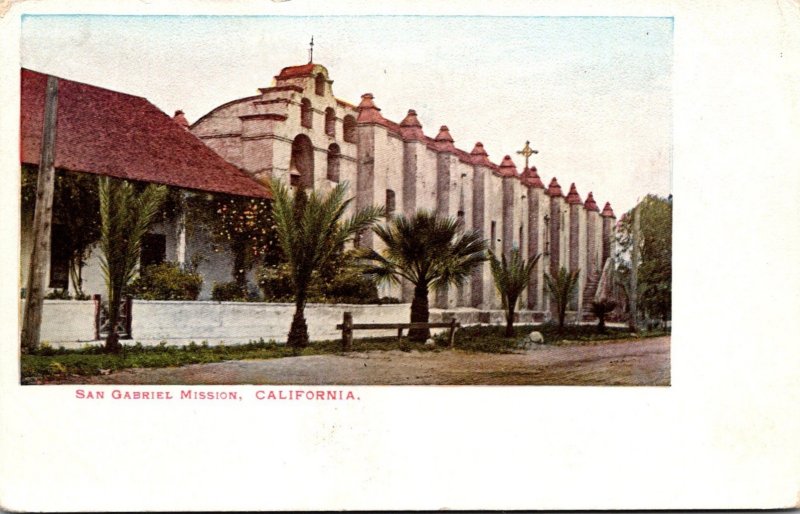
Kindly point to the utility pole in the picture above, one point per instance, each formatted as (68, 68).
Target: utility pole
(42, 223)
(634, 270)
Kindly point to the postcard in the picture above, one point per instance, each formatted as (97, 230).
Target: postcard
(295, 256)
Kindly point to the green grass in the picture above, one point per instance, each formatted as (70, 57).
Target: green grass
(56, 363)
(491, 339)
(49, 364)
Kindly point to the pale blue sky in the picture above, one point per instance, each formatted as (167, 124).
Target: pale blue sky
(593, 94)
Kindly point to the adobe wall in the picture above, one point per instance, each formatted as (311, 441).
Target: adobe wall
(423, 172)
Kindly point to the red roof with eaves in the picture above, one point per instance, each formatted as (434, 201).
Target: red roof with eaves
(119, 135)
(291, 72)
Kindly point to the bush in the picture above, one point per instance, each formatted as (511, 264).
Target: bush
(346, 284)
(275, 283)
(228, 292)
(349, 286)
(167, 281)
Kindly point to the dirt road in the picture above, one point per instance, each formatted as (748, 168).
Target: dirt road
(625, 362)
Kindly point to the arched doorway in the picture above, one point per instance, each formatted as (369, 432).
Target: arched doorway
(301, 166)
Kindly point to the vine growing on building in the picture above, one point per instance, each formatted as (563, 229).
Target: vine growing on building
(240, 225)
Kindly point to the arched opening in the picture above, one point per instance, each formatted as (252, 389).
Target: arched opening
(301, 167)
(305, 113)
(330, 122)
(319, 84)
(333, 162)
(390, 202)
(350, 129)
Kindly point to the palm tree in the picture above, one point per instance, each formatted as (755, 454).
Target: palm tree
(562, 289)
(428, 251)
(511, 277)
(310, 231)
(125, 215)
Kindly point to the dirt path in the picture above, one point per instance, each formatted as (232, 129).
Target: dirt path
(626, 362)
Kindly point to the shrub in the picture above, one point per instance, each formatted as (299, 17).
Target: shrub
(167, 281)
(228, 292)
(343, 284)
(349, 285)
(275, 283)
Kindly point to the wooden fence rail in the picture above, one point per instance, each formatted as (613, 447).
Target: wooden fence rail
(347, 326)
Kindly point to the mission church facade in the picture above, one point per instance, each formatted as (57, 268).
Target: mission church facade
(299, 132)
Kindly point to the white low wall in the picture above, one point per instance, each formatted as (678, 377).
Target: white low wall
(66, 320)
(237, 322)
(71, 323)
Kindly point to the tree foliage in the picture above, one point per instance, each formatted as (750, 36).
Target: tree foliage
(430, 252)
(562, 289)
(126, 212)
(75, 210)
(511, 278)
(310, 230)
(654, 276)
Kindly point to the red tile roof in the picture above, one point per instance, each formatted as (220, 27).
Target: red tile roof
(119, 135)
(368, 112)
(608, 212)
(554, 189)
(507, 167)
(590, 204)
(444, 141)
(411, 128)
(289, 72)
(530, 178)
(573, 197)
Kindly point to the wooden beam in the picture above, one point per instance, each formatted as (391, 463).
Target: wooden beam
(42, 223)
(388, 326)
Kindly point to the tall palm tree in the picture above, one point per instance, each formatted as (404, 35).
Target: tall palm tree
(428, 251)
(310, 230)
(562, 289)
(125, 215)
(511, 277)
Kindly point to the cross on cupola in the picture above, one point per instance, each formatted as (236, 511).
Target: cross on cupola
(527, 152)
(311, 51)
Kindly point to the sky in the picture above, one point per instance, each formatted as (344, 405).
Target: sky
(592, 94)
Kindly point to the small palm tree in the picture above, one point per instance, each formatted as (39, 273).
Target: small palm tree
(511, 277)
(430, 252)
(562, 289)
(310, 230)
(125, 215)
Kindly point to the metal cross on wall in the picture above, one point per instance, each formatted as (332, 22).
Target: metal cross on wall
(527, 152)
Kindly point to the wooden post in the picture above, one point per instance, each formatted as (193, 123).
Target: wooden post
(42, 223)
(347, 331)
(400, 333)
(98, 307)
(452, 332)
